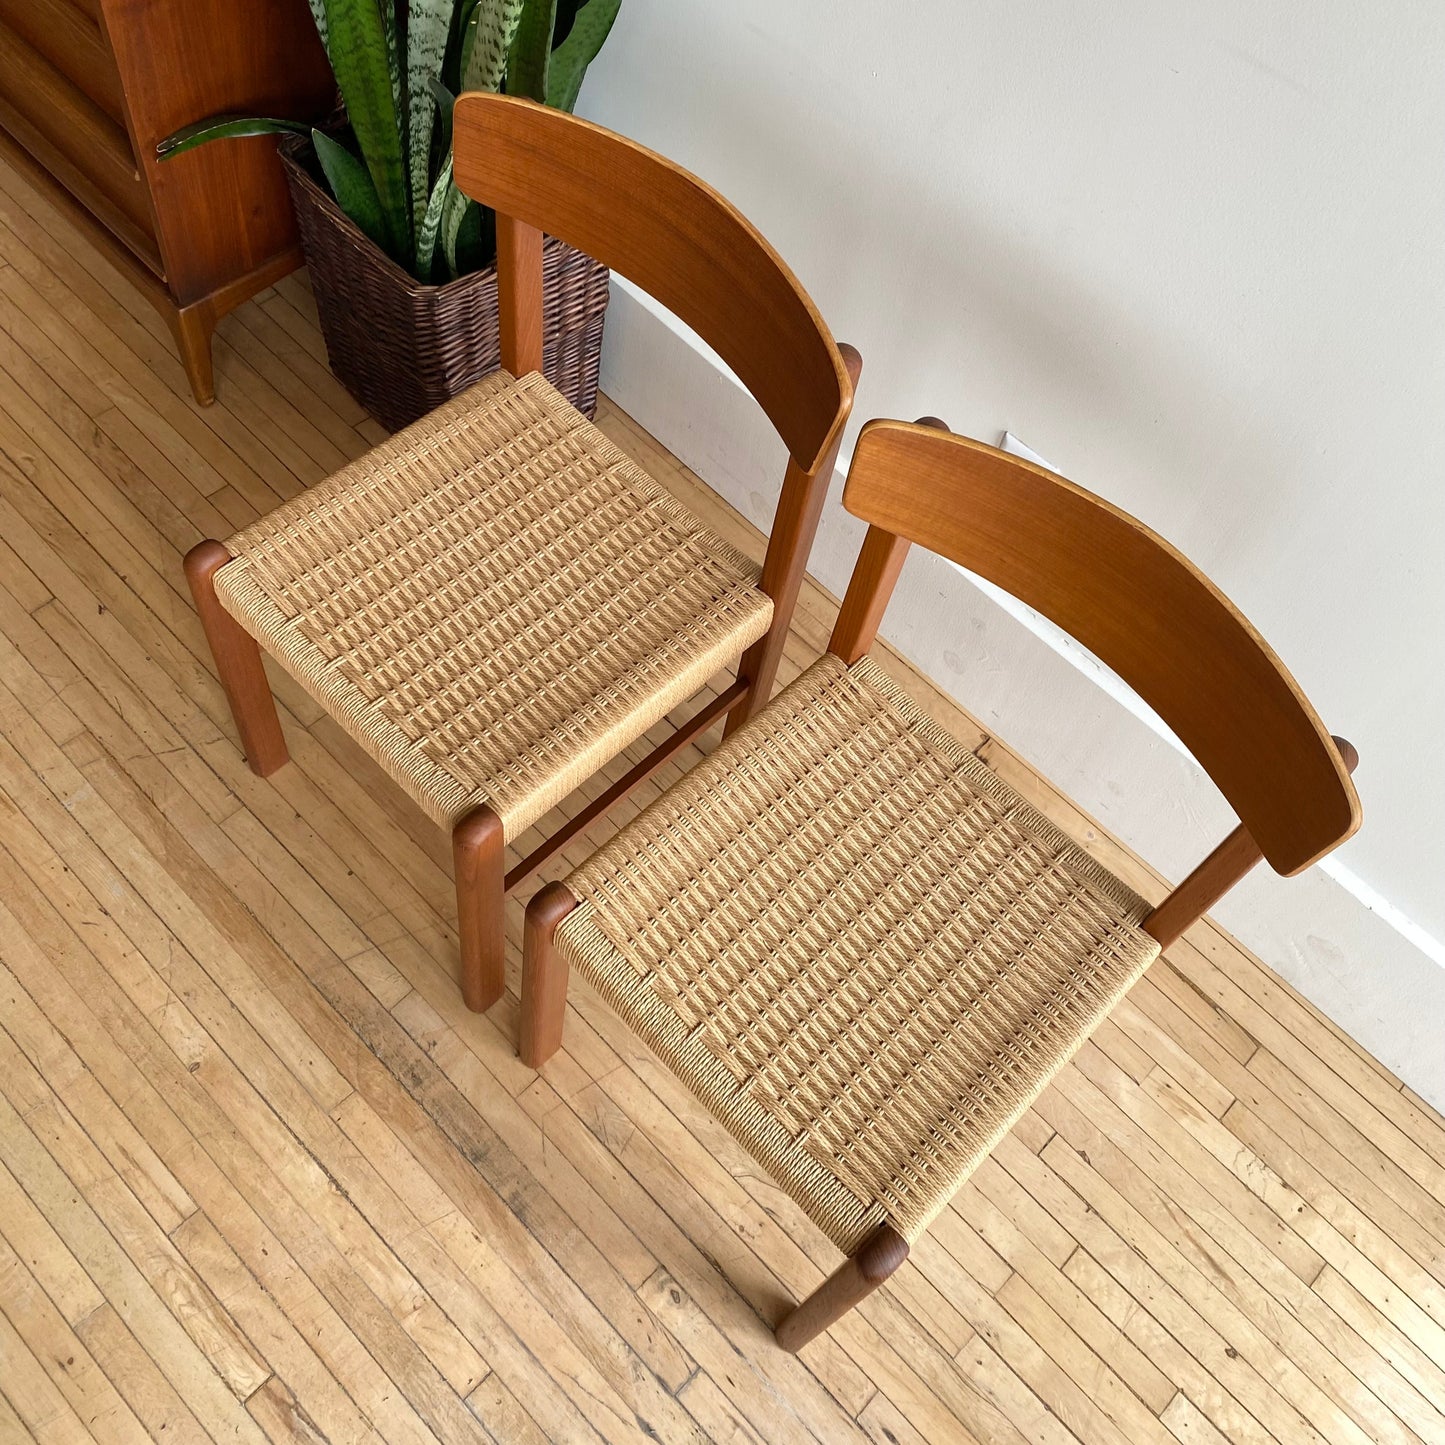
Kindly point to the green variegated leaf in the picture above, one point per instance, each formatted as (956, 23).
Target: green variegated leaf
(562, 25)
(488, 38)
(570, 60)
(454, 209)
(445, 101)
(427, 24)
(466, 14)
(426, 235)
(350, 183)
(531, 50)
(358, 46)
(471, 255)
(222, 127)
(318, 14)
(387, 9)
(452, 67)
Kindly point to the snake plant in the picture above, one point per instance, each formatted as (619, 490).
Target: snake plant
(390, 168)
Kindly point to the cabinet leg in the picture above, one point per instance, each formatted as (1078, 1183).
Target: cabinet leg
(192, 327)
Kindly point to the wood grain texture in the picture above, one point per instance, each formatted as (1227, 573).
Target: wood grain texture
(235, 1055)
(479, 862)
(870, 586)
(676, 238)
(69, 37)
(49, 114)
(519, 295)
(543, 1003)
(1136, 603)
(88, 89)
(221, 210)
(130, 248)
(1204, 887)
(238, 662)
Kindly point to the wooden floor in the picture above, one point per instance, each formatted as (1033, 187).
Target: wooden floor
(262, 1176)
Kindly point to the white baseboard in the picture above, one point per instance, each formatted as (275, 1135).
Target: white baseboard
(1361, 962)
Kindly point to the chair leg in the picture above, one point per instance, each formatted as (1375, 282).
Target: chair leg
(544, 976)
(479, 855)
(875, 1260)
(758, 668)
(238, 662)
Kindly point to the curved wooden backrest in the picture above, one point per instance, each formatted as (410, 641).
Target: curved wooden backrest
(1137, 604)
(675, 237)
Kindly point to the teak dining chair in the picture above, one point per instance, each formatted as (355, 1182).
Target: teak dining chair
(496, 602)
(860, 948)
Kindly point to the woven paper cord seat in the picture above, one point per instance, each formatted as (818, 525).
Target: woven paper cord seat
(495, 602)
(857, 945)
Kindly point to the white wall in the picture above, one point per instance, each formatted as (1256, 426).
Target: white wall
(1193, 255)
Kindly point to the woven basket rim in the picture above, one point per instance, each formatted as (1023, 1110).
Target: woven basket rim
(291, 150)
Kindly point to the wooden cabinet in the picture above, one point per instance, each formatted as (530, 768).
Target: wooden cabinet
(87, 88)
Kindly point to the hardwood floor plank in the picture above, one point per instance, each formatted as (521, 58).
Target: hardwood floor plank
(152, 1397)
(34, 1409)
(64, 1356)
(166, 1337)
(1215, 1284)
(217, 1173)
(32, 1237)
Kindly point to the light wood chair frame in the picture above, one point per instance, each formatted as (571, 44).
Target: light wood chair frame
(542, 170)
(1142, 608)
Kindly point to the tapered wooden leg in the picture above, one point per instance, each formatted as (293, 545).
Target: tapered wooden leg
(544, 976)
(876, 1259)
(238, 662)
(192, 327)
(479, 853)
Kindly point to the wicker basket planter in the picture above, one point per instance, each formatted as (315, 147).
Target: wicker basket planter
(402, 348)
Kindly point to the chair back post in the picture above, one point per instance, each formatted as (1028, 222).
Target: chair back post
(519, 294)
(1204, 887)
(795, 525)
(875, 574)
(870, 588)
(1187, 903)
(1140, 607)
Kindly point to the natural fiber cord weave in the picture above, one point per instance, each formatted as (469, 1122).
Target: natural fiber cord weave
(861, 950)
(495, 602)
